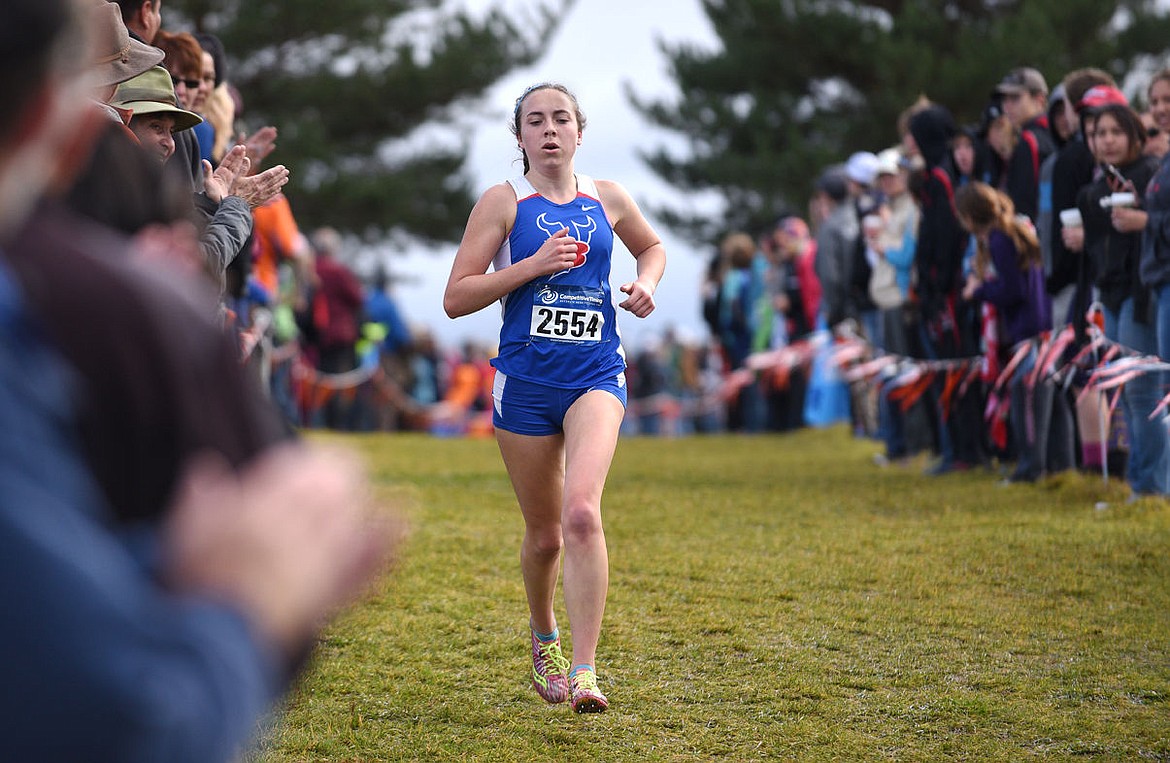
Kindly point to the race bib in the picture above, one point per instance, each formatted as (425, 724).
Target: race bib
(567, 314)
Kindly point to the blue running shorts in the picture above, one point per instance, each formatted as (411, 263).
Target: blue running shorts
(528, 408)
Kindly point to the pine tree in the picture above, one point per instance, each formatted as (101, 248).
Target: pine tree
(800, 84)
(355, 87)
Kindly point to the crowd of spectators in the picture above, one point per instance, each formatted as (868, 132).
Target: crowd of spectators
(981, 243)
(331, 350)
(957, 242)
(988, 271)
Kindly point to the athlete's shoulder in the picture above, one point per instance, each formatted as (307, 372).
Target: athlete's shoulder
(609, 187)
(502, 191)
(615, 198)
(499, 197)
(495, 210)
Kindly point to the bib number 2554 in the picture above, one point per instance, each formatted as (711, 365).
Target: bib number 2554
(566, 324)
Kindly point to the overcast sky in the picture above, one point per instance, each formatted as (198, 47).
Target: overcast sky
(599, 45)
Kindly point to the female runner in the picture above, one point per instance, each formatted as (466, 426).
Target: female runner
(559, 392)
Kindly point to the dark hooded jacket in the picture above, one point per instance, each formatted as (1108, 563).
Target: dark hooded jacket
(1055, 107)
(938, 256)
(983, 169)
(1022, 181)
(1071, 172)
(1115, 256)
(1046, 212)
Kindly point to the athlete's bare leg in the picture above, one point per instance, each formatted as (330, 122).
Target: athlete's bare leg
(536, 466)
(591, 432)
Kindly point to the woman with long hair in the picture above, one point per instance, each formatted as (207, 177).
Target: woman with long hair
(1008, 273)
(1115, 218)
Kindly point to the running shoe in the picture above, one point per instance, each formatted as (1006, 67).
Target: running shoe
(587, 698)
(549, 668)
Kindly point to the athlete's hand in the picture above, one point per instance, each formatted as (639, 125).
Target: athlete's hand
(557, 254)
(641, 299)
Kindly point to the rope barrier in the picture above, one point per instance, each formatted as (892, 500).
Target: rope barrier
(304, 372)
(1109, 364)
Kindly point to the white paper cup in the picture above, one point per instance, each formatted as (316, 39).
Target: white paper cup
(1071, 218)
(1120, 199)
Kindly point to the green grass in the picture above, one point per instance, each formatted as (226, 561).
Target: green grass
(771, 597)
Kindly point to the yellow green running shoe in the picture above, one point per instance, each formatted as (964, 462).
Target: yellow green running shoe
(587, 698)
(549, 669)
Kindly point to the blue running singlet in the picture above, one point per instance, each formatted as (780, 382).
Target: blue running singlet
(560, 329)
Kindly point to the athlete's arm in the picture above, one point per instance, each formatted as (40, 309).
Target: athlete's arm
(470, 287)
(639, 236)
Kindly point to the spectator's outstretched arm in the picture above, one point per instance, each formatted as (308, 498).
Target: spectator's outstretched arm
(228, 218)
(234, 193)
(218, 183)
(234, 176)
(225, 235)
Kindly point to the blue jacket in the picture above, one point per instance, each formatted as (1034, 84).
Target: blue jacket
(1155, 257)
(99, 662)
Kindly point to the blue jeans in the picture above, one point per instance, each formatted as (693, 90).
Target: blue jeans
(1162, 328)
(1022, 420)
(1149, 446)
(871, 324)
(891, 422)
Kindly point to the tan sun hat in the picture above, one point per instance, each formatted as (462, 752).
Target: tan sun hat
(152, 92)
(118, 56)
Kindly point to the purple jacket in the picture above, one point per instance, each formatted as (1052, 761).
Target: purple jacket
(1019, 296)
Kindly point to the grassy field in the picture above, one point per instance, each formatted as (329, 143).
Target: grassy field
(771, 597)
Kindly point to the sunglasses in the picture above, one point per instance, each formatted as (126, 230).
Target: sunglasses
(191, 84)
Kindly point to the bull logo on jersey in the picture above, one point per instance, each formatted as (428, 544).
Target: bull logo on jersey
(581, 231)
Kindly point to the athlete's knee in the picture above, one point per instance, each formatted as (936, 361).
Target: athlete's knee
(581, 519)
(545, 542)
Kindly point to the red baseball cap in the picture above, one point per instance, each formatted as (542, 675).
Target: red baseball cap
(1102, 95)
